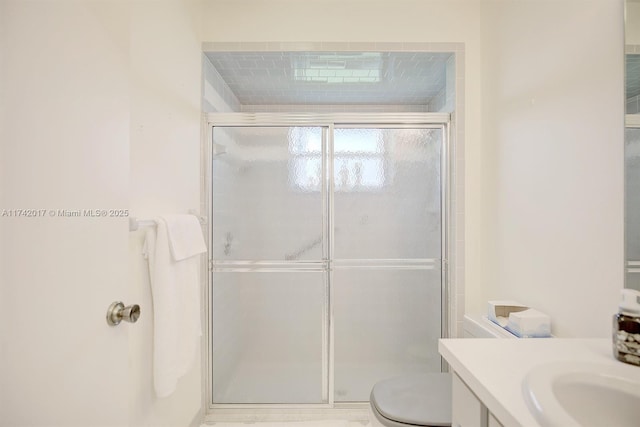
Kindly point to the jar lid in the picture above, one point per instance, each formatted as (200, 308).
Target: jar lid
(630, 302)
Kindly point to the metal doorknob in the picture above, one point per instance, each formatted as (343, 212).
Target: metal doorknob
(117, 312)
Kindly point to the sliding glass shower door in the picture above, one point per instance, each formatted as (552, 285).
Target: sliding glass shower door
(269, 282)
(326, 253)
(387, 245)
(632, 206)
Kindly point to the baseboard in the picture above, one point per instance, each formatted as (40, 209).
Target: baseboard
(198, 419)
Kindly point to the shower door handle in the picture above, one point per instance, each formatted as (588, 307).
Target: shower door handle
(117, 312)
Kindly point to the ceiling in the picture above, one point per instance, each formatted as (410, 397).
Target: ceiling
(328, 78)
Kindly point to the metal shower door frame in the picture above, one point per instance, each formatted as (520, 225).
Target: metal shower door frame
(327, 122)
(631, 121)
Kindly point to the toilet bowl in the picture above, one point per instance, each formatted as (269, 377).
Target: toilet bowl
(423, 399)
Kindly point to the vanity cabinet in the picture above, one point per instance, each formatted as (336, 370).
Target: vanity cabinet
(468, 410)
(490, 379)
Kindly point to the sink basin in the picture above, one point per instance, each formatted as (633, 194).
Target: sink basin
(567, 394)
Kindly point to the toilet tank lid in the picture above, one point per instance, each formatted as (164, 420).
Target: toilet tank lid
(479, 326)
(421, 399)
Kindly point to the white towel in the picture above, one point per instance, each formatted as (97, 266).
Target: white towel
(185, 236)
(176, 309)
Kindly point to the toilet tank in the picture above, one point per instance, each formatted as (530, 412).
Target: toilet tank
(479, 326)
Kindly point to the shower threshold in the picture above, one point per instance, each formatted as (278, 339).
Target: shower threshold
(351, 412)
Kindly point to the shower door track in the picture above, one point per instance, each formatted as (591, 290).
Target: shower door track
(265, 411)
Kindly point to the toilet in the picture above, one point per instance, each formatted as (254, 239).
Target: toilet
(423, 399)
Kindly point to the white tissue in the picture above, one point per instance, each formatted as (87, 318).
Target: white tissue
(520, 320)
(529, 324)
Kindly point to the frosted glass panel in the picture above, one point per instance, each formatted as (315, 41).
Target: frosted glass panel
(386, 323)
(632, 204)
(375, 226)
(267, 337)
(267, 203)
(387, 193)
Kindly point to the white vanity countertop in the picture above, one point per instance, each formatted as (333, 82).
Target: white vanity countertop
(495, 368)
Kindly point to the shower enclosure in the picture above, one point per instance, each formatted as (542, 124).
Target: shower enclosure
(327, 245)
(632, 201)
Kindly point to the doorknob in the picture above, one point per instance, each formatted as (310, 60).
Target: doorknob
(117, 312)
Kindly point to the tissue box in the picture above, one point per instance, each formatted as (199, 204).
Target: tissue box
(520, 320)
(529, 323)
(498, 311)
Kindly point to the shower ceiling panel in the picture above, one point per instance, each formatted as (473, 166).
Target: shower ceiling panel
(289, 78)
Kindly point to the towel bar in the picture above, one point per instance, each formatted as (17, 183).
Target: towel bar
(135, 223)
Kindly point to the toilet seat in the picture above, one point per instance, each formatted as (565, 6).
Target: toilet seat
(415, 400)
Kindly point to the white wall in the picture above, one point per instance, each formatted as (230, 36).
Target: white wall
(552, 110)
(632, 19)
(166, 67)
